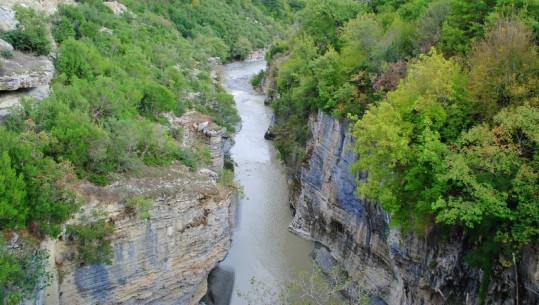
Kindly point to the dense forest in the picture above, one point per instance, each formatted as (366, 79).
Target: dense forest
(115, 77)
(443, 101)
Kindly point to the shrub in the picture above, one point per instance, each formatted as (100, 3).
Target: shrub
(6, 54)
(63, 30)
(30, 34)
(91, 239)
(140, 206)
(256, 80)
(21, 271)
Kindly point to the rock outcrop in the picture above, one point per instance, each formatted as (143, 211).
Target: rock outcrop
(116, 7)
(5, 46)
(8, 21)
(195, 126)
(25, 71)
(396, 268)
(47, 7)
(163, 260)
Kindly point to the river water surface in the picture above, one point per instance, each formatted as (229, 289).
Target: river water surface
(262, 247)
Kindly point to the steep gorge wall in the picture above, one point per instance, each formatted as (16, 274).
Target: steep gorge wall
(163, 260)
(396, 268)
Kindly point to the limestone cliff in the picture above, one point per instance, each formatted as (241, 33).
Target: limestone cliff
(396, 268)
(163, 260)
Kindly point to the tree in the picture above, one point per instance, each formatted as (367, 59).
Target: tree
(13, 209)
(156, 99)
(241, 48)
(504, 67)
(494, 173)
(322, 19)
(400, 142)
(63, 30)
(464, 24)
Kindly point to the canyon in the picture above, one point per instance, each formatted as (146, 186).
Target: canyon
(393, 267)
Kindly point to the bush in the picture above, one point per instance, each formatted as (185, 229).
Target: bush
(140, 206)
(256, 80)
(30, 34)
(6, 54)
(21, 271)
(34, 41)
(63, 30)
(92, 239)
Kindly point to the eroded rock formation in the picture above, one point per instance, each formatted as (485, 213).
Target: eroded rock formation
(396, 268)
(163, 260)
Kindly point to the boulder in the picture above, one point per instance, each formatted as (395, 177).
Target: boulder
(4, 45)
(116, 7)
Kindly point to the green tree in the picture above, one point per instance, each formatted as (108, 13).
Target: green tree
(241, 48)
(400, 141)
(464, 24)
(322, 19)
(494, 173)
(156, 99)
(13, 210)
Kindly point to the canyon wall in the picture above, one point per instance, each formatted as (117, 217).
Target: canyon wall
(163, 260)
(393, 268)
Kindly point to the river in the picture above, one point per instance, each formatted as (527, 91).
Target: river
(262, 247)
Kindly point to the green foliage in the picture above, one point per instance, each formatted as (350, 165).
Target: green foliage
(35, 186)
(400, 140)
(241, 25)
(78, 59)
(156, 99)
(506, 189)
(31, 32)
(322, 19)
(21, 271)
(91, 238)
(504, 67)
(140, 206)
(62, 30)
(226, 179)
(13, 211)
(7, 54)
(256, 80)
(278, 46)
(241, 48)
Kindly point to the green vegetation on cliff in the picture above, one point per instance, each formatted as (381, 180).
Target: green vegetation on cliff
(444, 103)
(116, 75)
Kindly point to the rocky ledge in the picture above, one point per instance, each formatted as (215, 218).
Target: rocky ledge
(25, 71)
(163, 260)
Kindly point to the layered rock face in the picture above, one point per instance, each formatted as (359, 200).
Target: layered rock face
(163, 260)
(196, 126)
(394, 268)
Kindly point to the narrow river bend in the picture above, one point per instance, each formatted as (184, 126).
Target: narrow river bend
(262, 247)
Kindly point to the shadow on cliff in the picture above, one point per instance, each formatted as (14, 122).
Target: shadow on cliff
(220, 287)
